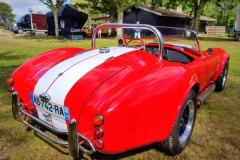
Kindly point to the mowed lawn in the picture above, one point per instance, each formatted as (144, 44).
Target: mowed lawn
(217, 129)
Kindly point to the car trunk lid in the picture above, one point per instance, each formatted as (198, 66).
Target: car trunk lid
(55, 87)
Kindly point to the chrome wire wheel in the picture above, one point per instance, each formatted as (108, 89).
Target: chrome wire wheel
(183, 127)
(187, 122)
(224, 77)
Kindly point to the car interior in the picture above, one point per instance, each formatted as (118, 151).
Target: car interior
(170, 55)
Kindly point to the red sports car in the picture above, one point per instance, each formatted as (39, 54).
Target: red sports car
(114, 99)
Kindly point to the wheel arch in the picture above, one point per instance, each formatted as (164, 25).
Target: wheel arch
(196, 88)
(225, 57)
(193, 85)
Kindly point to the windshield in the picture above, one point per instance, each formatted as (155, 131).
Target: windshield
(24, 19)
(179, 37)
(143, 36)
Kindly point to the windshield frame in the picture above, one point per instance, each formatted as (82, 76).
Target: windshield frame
(191, 32)
(154, 29)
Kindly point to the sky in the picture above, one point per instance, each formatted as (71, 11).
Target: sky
(20, 7)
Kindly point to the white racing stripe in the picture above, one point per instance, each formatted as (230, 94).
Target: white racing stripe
(73, 69)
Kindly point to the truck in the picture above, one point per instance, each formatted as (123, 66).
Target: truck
(30, 22)
(88, 29)
(237, 23)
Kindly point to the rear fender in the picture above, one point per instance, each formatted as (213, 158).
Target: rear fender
(128, 108)
(192, 85)
(23, 75)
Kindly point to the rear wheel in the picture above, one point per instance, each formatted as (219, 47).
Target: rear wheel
(222, 78)
(183, 127)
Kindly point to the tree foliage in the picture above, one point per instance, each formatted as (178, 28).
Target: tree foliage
(195, 8)
(110, 7)
(54, 6)
(222, 10)
(100, 7)
(6, 15)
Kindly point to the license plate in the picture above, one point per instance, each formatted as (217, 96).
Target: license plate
(50, 107)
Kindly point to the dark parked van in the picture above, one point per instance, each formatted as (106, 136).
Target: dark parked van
(23, 24)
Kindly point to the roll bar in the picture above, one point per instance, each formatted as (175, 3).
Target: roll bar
(140, 26)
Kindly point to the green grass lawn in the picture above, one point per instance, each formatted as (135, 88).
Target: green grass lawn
(217, 129)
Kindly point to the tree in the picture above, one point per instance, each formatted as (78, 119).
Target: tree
(111, 7)
(225, 10)
(100, 7)
(6, 15)
(197, 11)
(55, 6)
(196, 7)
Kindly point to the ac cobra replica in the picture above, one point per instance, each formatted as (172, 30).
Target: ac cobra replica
(114, 99)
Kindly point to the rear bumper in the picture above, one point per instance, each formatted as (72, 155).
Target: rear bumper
(75, 140)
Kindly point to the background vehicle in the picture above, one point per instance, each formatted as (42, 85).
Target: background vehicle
(23, 24)
(70, 21)
(114, 99)
(88, 29)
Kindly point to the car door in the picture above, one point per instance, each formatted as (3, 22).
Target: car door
(204, 69)
(27, 23)
(211, 63)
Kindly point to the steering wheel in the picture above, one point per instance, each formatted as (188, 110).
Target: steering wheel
(142, 47)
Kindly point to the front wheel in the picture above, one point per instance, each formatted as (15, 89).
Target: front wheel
(222, 78)
(182, 128)
(20, 31)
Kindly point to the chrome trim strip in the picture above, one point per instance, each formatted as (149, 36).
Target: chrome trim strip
(55, 130)
(73, 140)
(44, 134)
(16, 111)
(74, 144)
(202, 96)
(90, 143)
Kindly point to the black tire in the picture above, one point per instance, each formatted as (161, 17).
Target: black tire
(222, 78)
(20, 31)
(105, 35)
(183, 127)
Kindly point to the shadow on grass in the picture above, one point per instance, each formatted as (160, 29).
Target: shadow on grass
(215, 38)
(101, 156)
(9, 56)
(6, 68)
(59, 148)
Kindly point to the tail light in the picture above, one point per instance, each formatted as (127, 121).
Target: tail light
(11, 89)
(99, 143)
(98, 132)
(10, 81)
(98, 120)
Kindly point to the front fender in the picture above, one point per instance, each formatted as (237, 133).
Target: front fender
(224, 57)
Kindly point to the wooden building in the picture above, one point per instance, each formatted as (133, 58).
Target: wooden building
(163, 17)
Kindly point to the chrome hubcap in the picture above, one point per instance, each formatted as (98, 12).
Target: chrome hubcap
(186, 122)
(224, 78)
